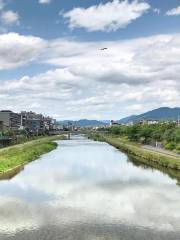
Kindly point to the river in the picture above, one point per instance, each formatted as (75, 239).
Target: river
(86, 190)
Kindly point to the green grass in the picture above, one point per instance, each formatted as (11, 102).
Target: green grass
(137, 152)
(21, 154)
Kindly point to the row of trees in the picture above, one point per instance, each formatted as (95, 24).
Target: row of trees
(166, 134)
(19, 137)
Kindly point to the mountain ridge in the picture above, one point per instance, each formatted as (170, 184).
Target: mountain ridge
(160, 114)
(83, 122)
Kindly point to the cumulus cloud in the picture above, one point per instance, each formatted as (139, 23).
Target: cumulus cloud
(106, 17)
(17, 50)
(10, 18)
(173, 12)
(138, 75)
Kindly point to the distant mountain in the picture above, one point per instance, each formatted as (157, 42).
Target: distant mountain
(160, 114)
(83, 123)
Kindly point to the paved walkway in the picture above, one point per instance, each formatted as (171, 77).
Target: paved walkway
(162, 151)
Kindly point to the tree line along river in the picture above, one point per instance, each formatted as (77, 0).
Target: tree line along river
(87, 190)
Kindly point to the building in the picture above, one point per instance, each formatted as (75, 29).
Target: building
(129, 123)
(114, 123)
(32, 122)
(49, 123)
(1, 126)
(149, 122)
(36, 123)
(10, 120)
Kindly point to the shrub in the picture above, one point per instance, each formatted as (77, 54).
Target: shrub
(170, 146)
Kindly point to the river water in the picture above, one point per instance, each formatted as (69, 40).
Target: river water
(86, 190)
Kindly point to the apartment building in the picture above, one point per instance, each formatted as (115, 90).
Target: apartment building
(10, 120)
(32, 122)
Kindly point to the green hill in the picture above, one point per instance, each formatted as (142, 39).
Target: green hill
(161, 114)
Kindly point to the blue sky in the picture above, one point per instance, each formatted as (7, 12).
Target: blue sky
(44, 20)
(49, 56)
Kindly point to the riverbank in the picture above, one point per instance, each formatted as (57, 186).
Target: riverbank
(143, 155)
(16, 156)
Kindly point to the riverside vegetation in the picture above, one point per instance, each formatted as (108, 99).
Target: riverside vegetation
(167, 134)
(19, 155)
(130, 138)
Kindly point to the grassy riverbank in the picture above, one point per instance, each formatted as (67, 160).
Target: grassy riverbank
(19, 155)
(142, 155)
(167, 135)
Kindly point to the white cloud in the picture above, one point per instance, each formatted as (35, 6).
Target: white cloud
(10, 18)
(173, 12)
(17, 50)
(106, 17)
(7, 18)
(131, 76)
(44, 1)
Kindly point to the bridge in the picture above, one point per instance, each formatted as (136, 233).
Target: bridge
(68, 133)
(77, 132)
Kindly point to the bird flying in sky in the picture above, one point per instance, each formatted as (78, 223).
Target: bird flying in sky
(102, 49)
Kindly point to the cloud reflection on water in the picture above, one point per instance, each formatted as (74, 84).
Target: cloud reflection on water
(86, 182)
